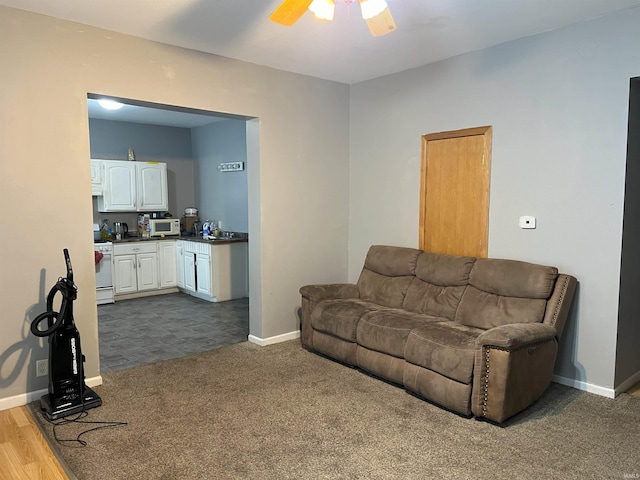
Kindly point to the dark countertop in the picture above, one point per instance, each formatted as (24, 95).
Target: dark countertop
(218, 240)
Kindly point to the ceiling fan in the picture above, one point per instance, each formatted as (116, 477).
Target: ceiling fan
(375, 12)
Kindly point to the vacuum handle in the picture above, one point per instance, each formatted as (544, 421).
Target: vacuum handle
(67, 260)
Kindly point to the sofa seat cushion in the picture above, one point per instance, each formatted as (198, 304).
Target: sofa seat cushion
(387, 330)
(445, 347)
(340, 317)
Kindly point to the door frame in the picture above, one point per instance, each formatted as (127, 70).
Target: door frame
(486, 132)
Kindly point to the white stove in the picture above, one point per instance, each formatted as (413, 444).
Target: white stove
(104, 275)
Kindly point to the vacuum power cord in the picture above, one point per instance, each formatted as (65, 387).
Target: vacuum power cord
(78, 419)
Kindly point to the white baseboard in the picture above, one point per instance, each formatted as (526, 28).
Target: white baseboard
(277, 339)
(587, 387)
(597, 389)
(24, 398)
(93, 381)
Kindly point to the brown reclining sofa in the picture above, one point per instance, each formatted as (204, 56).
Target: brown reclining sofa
(476, 336)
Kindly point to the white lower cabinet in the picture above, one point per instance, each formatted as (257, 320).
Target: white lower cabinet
(168, 267)
(147, 272)
(124, 273)
(197, 271)
(203, 274)
(190, 271)
(213, 272)
(180, 264)
(135, 267)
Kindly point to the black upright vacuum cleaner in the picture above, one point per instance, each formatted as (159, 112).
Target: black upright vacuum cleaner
(68, 393)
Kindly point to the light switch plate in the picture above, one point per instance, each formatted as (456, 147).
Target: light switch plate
(527, 221)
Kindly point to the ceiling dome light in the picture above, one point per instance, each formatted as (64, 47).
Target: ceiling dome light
(110, 104)
(372, 8)
(323, 9)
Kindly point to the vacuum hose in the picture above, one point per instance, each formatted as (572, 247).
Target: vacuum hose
(69, 293)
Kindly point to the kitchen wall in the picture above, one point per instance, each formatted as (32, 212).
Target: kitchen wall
(298, 181)
(110, 139)
(221, 195)
(192, 157)
(558, 105)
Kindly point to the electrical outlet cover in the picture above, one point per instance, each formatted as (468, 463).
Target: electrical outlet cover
(42, 368)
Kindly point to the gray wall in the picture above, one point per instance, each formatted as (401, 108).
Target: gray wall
(111, 140)
(221, 195)
(558, 106)
(49, 66)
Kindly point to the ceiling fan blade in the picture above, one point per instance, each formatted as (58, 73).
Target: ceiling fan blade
(381, 24)
(290, 11)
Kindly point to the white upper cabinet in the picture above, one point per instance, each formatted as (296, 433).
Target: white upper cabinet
(119, 187)
(133, 186)
(96, 178)
(151, 183)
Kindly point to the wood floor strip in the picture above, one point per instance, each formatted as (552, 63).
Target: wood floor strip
(24, 453)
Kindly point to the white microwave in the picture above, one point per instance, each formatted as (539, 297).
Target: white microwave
(159, 227)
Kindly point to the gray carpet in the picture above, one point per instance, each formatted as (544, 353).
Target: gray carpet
(281, 412)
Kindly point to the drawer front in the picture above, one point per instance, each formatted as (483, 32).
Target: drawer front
(135, 248)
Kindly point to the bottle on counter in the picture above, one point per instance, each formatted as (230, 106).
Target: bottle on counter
(105, 231)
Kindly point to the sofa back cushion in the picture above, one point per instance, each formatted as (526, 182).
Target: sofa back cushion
(438, 285)
(505, 291)
(387, 273)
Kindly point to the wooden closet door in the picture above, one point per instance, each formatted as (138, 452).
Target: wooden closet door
(454, 192)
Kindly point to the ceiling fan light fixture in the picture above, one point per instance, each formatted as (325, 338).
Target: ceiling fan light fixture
(323, 9)
(372, 8)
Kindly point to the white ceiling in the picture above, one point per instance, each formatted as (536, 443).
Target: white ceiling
(342, 51)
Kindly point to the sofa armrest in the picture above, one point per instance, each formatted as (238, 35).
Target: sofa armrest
(317, 293)
(314, 294)
(513, 367)
(516, 335)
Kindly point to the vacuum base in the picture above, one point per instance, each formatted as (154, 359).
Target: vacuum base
(90, 399)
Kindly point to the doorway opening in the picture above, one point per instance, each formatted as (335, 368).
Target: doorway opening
(627, 368)
(192, 143)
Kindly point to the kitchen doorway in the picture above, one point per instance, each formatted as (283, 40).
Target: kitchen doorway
(148, 329)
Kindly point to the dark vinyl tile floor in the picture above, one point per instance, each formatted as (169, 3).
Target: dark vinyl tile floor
(145, 330)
